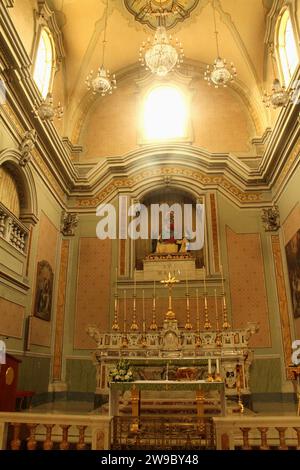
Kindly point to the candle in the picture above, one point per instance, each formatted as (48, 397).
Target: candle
(216, 306)
(116, 285)
(186, 283)
(204, 281)
(134, 276)
(209, 366)
(125, 313)
(217, 366)
(197, 309)
(222, 278)
(144, 318)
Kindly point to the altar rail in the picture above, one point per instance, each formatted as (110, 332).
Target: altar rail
(257, 432)
(12, 230)
(160, 433)
(39, 431)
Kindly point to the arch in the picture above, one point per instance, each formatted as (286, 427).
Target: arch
(9, 159)
(286, 45)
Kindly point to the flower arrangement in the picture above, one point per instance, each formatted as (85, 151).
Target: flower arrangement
(122, 372)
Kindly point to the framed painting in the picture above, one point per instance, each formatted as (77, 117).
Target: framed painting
(43, 291)
(292, 250)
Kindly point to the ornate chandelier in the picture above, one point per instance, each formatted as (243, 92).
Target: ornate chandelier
(102, 83)
(219, 73)
(279, 96)
(159, 55)
(46, 111)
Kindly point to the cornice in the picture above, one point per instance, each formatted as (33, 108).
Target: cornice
(70, 179)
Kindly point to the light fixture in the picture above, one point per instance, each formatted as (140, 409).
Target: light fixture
(279, 96)
(160, 55)
(102, 83)
(46, 111)
(219, 73)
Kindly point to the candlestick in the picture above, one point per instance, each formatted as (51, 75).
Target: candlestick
(115, 325)
(218, 377)
(188, 325)
(134, 325)
(207, 324)
(217, 314)
(153, 325)
(209, 378)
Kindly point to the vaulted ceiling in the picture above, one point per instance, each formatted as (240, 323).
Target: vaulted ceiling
(241, 25)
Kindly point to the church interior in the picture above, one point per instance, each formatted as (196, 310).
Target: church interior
(149, 224)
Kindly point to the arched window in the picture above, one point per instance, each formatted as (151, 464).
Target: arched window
(165, 114)
(287, 46)
(44, 62)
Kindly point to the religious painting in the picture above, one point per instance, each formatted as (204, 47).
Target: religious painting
(44, 290)
(292, 250)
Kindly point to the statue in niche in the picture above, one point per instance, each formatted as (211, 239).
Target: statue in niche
(167, 243)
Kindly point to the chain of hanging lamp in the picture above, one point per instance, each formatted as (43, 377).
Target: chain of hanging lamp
(219, 73)
(102, 83)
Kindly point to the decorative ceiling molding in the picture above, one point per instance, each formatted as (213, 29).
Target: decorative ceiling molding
(181, 176)
(148, 11)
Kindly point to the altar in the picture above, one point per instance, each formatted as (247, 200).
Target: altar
(219, 357)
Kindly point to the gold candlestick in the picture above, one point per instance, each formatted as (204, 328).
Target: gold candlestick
(153, 325)
(134, 325)
(218, 339)
(188, 325)
(207, 324)
(169, 283)
(125, 340)
(115, 325)
(226, 325)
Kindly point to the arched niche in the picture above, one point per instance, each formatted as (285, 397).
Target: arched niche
(164, 195)
(24, 185)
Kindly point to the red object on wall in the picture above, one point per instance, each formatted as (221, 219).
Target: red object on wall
(8, 383)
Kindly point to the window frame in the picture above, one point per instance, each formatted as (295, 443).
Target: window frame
(187, 137)
(45, 29)
(284, 69)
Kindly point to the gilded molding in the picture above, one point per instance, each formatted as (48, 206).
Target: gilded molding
(60, 310)
(200, 177)
(282, 302)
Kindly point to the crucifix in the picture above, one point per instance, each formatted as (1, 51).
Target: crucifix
(169, 283)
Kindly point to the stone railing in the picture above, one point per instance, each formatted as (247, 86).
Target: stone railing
(12, 230)
(257, 432)
(38, 431)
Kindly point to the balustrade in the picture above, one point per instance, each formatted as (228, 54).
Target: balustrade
(12, 230)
